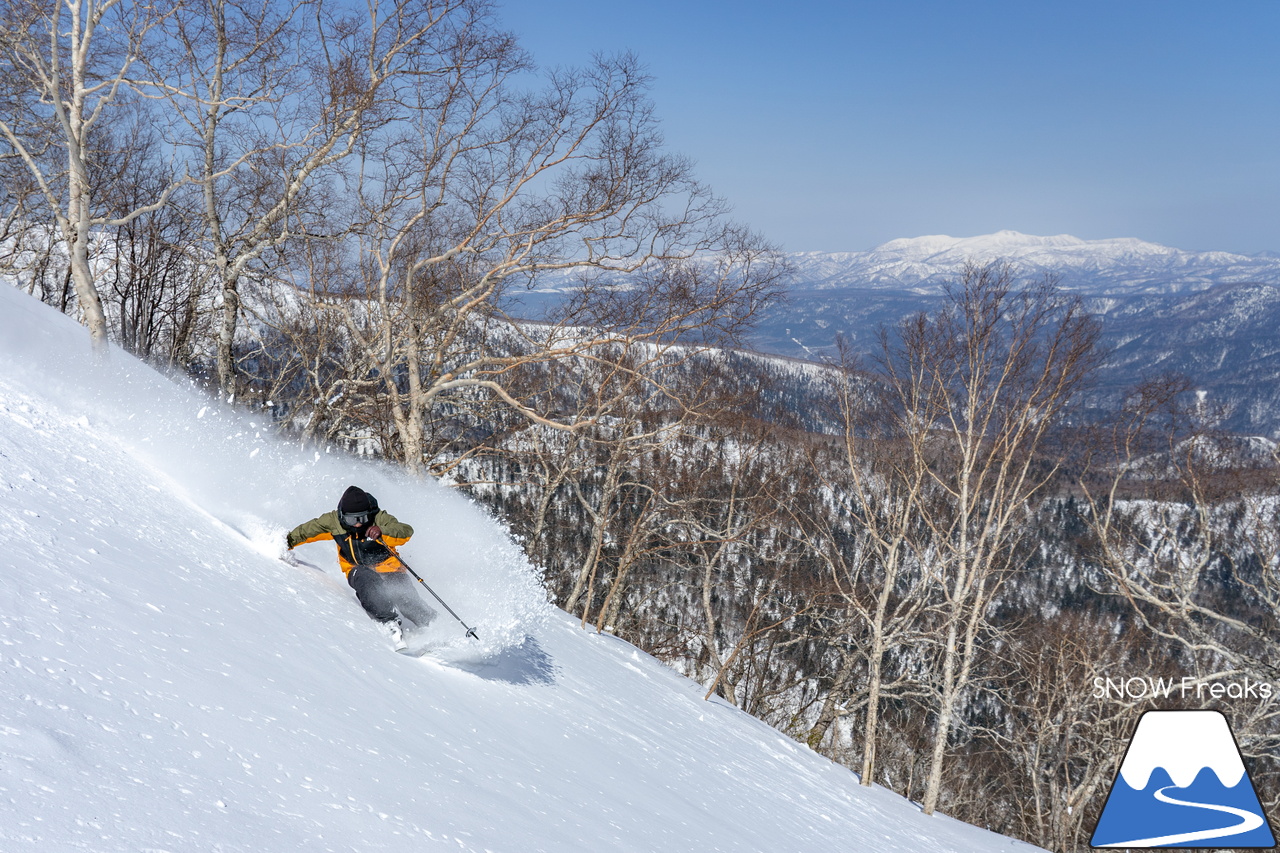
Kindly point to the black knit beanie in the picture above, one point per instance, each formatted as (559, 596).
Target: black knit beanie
(356, 499)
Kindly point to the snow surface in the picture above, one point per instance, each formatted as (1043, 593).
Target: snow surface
(170, 685)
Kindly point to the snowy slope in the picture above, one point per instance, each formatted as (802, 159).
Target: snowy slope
(169, 685)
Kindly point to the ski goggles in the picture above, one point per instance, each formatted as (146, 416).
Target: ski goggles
(355, 519)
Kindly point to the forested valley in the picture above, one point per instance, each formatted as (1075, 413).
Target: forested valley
(947, 562)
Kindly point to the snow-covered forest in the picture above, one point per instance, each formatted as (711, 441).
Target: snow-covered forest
(917, 560)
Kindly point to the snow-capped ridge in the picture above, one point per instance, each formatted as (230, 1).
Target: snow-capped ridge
(1114, 266)
(1182, 743)
(1000, 241)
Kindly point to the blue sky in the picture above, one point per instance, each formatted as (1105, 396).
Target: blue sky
(836, 126)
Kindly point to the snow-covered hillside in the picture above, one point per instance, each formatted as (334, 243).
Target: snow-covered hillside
(1097, 267)
(169, 684)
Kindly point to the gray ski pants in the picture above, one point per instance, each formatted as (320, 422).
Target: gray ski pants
(386, 595)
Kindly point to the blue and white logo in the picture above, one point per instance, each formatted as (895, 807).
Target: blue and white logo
(1183, 784)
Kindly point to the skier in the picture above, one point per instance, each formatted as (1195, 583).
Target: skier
(367, 537)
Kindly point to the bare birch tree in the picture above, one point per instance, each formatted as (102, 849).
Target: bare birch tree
(1067, 740)
(980, 387)
(274, 96)
(153, 284)
(882, 576)
(1187, 527)
(494, 184)
(68, 63)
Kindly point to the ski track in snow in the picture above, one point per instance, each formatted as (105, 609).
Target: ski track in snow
(1248, 822)
(170, 685)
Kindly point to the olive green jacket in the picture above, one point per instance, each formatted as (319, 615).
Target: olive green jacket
(352, 549)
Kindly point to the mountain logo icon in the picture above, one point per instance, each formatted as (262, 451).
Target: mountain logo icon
(1183, 784)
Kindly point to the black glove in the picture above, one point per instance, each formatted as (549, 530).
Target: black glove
(374, 532)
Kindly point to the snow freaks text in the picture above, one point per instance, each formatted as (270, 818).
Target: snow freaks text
(1187, 687)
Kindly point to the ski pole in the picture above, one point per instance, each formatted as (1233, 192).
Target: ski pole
(471, 632)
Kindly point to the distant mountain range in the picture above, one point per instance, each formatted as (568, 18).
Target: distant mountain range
(1211, 316)
(1124, 266)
